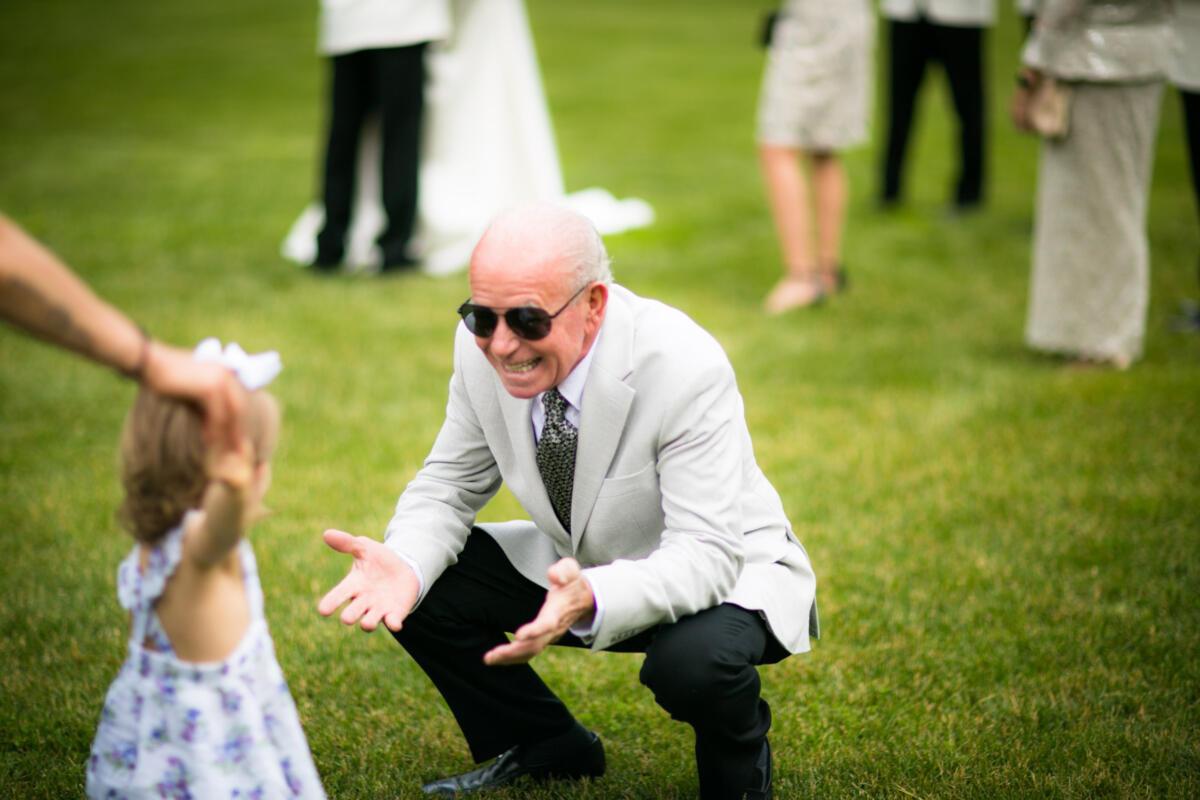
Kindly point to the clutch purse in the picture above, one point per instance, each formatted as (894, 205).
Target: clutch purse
(1050, 108)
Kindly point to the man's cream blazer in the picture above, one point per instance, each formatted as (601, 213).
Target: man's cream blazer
(670, 513)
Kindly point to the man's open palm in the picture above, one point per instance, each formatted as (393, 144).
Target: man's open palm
(568, 600)
(379, 586)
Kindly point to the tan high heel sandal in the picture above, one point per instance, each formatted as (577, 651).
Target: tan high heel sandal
(795, 292)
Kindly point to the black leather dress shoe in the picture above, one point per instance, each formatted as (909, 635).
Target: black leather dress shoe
(582, 762)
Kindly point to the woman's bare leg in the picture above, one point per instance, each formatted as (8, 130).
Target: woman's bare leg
(829, 188)
(787, 192)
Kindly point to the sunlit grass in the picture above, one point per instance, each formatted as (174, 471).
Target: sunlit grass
(1006, 547)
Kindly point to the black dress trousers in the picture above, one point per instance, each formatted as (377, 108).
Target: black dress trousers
(1190, 102)
(913, 45)
(701, 669)
(391, 81)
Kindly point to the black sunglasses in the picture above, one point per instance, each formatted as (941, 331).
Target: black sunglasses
(528, 322)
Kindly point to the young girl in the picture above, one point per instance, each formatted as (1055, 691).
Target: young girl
(200, 708)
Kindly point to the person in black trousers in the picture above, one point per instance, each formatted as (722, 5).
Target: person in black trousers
(390, 80)
(960, 51)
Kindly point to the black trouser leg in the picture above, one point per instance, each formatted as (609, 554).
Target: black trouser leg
(702, 670)
(960, 50)
(350, 91)
(401, 79)
(908, 53)
(1191, 124)
(464, 614)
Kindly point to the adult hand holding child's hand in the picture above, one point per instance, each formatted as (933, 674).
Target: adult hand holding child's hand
(379, 586)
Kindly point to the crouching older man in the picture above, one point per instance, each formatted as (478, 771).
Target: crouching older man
(617, 423)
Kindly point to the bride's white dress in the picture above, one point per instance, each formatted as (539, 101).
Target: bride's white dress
(488, 144)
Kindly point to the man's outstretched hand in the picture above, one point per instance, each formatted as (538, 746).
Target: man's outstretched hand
(379, 586)
(568, 601)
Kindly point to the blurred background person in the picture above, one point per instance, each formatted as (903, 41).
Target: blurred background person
(814, 102)
(1185, 75)
(377, 64)
(487, 144)
(1091, 261)
(951, 33)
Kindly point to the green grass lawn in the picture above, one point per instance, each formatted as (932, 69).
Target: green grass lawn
(1008, 549)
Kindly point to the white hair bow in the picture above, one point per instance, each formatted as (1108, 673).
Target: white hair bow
(254, 371)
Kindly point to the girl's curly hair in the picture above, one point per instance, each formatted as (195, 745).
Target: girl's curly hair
(162, 464)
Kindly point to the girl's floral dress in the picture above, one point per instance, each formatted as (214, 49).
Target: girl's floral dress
(177, 729)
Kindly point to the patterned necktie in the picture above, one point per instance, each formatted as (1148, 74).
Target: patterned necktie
(556, 455)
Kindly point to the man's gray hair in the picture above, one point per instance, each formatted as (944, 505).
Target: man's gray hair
(584, 248)
(559, 233)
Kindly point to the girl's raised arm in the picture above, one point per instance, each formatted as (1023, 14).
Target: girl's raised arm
(226, 503)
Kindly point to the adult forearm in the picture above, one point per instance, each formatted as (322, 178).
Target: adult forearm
(39, 294)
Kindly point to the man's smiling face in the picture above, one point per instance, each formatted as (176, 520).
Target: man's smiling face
(502, 278)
